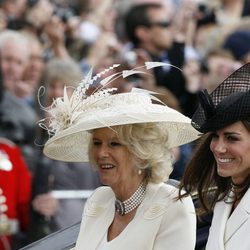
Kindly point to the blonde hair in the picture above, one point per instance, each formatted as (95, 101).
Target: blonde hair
(149, 145)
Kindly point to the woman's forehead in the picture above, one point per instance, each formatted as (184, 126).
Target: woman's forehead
(105, 132)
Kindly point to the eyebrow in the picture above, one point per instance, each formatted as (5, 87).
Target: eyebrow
(232, 133)
(112, 138)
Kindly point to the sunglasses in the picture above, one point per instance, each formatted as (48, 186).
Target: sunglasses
(162, 24)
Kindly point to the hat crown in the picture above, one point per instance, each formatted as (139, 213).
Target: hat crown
(92, 107)
(66, 110)
(231, 102)
(131, 98)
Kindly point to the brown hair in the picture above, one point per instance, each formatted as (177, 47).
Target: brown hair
(202, 180)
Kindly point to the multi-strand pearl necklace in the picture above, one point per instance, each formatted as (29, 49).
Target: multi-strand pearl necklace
(124, 207)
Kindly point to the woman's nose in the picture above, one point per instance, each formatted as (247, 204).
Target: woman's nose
(219, 146)
(103, 152)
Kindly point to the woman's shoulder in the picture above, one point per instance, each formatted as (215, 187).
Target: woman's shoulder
(101, 194)
(162, 199)
(163, 189)
(168, 194)
(99, 200)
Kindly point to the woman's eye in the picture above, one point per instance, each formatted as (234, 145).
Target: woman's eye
(115, 144)
(232, 138)
(96, 143)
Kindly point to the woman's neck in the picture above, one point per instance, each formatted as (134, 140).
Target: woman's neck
(126, 190)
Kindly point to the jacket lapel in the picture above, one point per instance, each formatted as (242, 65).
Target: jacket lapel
(102, 223)
(238, 217)
(97, 218)
(222, 212)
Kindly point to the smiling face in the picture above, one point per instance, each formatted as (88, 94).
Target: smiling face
(231, 149)
(114, 161)
(14, 60)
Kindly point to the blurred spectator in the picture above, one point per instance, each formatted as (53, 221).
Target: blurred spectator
(15, 55)
(238, 43)
(14, 12)
(3, 19)
(155, 37)
(51, 213)
(57, 74)
(15, 189)
(221, 12)
(101, 45)
(37, 14)
(219, 19)
(219, 64)
(17, 117)
(192, 73)
(210, 37)
(231, 12)
(43, 20)
(54, 30)
(34, 69)
(102, 54)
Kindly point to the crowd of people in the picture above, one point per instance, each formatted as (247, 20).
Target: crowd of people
(47, 47)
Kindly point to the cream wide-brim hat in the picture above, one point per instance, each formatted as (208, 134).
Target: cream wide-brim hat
(71, 144)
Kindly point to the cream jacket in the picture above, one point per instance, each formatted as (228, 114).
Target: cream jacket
(230, 232)
(160, 223)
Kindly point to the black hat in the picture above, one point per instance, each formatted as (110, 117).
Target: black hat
(228, 103)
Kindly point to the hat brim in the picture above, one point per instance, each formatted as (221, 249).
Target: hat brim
(71, 144)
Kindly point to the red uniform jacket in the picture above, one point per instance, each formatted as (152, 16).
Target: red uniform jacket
(15, 186)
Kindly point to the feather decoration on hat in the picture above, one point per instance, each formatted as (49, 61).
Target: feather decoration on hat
(66, 110)
(150, 65)
(206, 103)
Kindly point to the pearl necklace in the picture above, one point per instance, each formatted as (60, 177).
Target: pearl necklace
(124, 207)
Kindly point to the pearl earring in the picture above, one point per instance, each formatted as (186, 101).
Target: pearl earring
(139, 172)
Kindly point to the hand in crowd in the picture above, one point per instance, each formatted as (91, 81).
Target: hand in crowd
(54, 28)
(45, 204)
(105, 44)
(100, 8)
(186, 22)
(55, 31)
(137, 58)
(23, 89)
(191, 71)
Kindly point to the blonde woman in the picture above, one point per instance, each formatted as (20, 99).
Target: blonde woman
(127, 137)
